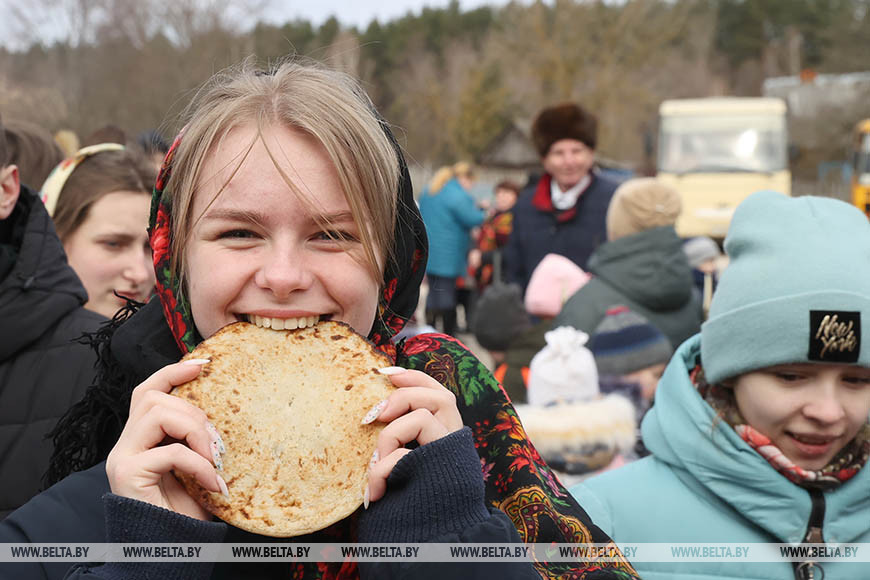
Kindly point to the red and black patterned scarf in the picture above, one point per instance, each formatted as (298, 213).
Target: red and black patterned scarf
(517, 480)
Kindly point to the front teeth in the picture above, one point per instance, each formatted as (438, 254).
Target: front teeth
(283, 323)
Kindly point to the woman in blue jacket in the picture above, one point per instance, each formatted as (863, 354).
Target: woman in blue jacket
(449, 213)
(760, 431)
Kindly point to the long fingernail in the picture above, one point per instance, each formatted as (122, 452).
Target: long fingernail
(223, 487)
(212, 430)
(392, 370)
(216, 456)
(366, 498)
(196, 361)
(373, 414)
(375, 458)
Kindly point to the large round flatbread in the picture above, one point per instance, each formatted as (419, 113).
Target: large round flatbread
(289, 406)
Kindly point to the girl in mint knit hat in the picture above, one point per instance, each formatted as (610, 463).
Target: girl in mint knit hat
(759, 432)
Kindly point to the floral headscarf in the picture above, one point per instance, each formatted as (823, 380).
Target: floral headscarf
(517, 480)
(402, 276)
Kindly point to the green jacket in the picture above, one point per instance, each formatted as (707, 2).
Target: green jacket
(647, 272)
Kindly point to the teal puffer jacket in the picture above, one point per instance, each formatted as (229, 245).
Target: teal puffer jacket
(704, 484)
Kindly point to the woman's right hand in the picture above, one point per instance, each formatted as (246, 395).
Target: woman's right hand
(164, 432)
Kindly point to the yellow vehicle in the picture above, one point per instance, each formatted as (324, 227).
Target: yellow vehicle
(861, 166)
(717, 151)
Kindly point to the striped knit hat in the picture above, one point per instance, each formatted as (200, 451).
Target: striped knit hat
(625, 342)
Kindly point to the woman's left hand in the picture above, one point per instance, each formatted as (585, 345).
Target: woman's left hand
(421, 410)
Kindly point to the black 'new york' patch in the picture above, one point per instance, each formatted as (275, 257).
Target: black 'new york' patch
(835, 336)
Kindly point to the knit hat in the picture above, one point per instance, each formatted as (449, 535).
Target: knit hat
(795, 290)
(499, 316)
(554, 280)
(625, 342)
(642, 204)
(564, 121)
(701, 249)
(564, 370)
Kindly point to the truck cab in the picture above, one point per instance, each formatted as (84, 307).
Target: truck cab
(861, 166)
(717, 151)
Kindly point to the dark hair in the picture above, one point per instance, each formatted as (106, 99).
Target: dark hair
(509, 185)
(33, 150)
(152, 142)
(98, 175)
(106, 134)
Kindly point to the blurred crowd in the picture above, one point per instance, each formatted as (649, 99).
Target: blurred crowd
(613, 338)
(577, 286)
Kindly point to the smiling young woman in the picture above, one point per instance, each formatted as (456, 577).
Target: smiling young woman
(759, 432)
(285, 201)
(257, 252)
(809, 412)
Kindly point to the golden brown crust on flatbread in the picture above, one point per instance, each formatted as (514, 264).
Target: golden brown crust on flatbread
(288, 405)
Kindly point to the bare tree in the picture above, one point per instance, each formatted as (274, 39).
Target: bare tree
(613, 58)
(71, 22)
(449, 107)
(76, 22)
(128, 62)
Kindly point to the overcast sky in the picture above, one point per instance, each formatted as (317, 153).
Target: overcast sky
(360, 12)
(357, 13)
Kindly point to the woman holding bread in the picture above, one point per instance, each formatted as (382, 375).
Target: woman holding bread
(284, 201)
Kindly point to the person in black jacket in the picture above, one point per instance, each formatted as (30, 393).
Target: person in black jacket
(564, 211)
(286, 197)
(43, 370)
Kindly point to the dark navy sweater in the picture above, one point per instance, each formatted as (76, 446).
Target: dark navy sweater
(434, 494)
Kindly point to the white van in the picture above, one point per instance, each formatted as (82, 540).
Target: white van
(717, 151)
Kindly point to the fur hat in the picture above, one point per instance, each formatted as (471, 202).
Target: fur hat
(564, 370)
(564, 121)
(795, 290)
(642, 204)
(554, 280)
(582, 437)
(625, 342)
